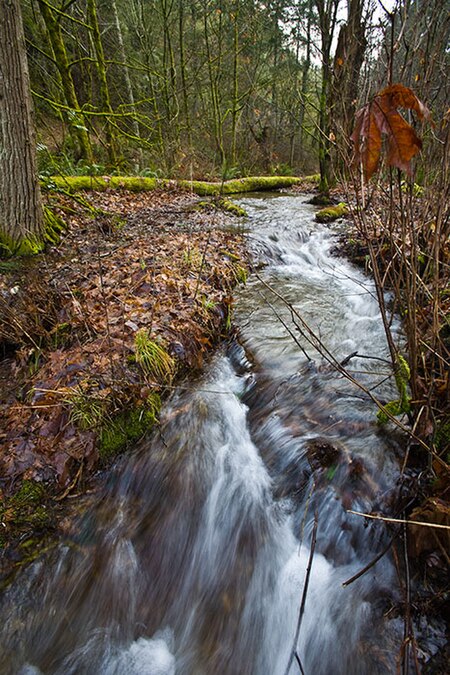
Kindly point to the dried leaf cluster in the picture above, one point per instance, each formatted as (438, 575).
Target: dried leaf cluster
(380, 117)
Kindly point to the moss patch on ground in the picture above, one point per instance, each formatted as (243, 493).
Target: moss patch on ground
(127, 427)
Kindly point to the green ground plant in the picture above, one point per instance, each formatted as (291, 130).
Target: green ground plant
(153, 358)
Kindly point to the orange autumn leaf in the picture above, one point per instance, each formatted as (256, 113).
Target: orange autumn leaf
(380, 117)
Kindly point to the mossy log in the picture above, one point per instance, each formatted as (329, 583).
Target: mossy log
(139, 183)
(331, 213)
(249, 184)
(102, 183)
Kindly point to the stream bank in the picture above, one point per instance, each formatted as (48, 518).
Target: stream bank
(95, 333)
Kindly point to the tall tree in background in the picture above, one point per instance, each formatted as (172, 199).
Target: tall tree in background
(21, 212)
(52, 18)
(348, 61)
(327, 11)
(105, 99)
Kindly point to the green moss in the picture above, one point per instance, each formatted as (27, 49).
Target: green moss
(402, 405)
(313, 178)
(32, 245)
(232, 207)
(140, 183)
(128, 427)
(330, 213)
(24, 247)
(28, 494)
(54, 226)
(237, 185)
(223, 205)
(101, 183)
(391, 408)
(25, 509)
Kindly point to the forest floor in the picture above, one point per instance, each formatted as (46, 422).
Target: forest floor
(94, 333)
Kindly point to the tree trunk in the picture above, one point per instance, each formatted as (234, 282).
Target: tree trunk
(105, 100)
(21, 212)
(181, 35)
(62, 63)
(347, 66)
(134, 124)
(327, 11)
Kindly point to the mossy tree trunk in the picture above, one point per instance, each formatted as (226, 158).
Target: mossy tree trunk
(21, 211)
(105, 99)
(77, 123)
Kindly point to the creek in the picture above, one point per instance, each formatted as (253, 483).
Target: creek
(194, 559)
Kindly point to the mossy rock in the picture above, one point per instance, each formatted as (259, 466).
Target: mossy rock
(25, 511)
(331, 213)
(233, 208)
(222, 205)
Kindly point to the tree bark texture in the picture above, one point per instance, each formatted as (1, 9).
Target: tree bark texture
(21, 212)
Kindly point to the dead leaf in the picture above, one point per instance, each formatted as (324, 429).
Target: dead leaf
(381, 117)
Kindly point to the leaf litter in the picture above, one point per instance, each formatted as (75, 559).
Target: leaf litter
(128, 263)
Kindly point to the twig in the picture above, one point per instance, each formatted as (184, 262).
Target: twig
(105, 304)
(69, 489)
(303, 603)
(368, 566)
(399, 520)
(362, 356)
(281, 320)
(202, 263)
(299, 662)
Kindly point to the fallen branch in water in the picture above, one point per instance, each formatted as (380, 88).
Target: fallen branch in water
(351, 356)
(281, 320)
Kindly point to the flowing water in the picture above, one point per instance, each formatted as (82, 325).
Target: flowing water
(194, 560)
